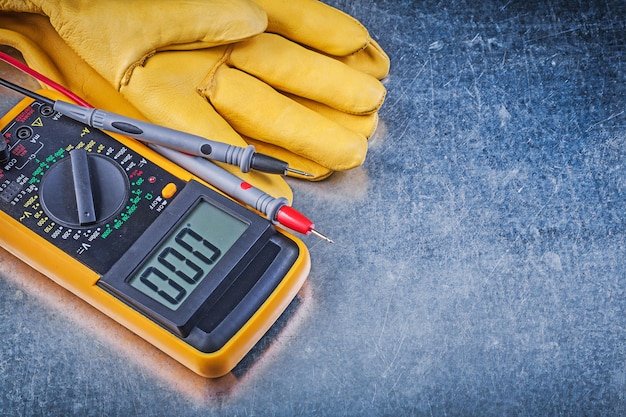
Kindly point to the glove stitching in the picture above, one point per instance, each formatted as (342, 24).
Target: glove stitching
(368, 110)
(355, 20)
(129, 71)
(206, 85)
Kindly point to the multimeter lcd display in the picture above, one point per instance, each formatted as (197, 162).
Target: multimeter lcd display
(180, 263)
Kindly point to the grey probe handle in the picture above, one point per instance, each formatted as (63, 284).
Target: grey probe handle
(159, 135)
(226, 182)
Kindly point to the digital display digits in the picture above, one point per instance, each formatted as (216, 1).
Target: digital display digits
(182, 261)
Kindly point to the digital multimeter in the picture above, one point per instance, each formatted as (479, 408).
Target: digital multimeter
(189, 270)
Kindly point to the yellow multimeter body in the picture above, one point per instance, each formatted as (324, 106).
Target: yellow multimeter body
(194, 273)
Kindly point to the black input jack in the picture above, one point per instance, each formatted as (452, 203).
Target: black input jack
(24, 132)
(46, 110)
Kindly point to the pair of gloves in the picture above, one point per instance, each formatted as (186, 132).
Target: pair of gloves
(298, 79)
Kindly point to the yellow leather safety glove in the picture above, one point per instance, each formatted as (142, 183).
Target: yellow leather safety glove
(45, 51)
(329, 31)
(177, 80)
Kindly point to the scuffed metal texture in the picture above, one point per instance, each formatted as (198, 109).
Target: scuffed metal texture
(480, 258)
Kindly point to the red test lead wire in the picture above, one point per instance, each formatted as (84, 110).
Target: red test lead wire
(42, 78)
(276, 209)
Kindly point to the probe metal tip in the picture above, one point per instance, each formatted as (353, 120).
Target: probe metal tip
(321, 236)
(295, 171)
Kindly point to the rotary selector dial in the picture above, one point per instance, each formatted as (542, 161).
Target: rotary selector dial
(84, 189)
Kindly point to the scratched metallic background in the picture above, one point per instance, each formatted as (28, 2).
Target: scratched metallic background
(480, 262)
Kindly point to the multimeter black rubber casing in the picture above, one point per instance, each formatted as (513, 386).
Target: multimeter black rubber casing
(193, 272)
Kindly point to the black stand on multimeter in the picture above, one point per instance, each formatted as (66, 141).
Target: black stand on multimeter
(189, 270)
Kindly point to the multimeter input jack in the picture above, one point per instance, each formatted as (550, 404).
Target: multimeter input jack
(46, 111)
(24, 132)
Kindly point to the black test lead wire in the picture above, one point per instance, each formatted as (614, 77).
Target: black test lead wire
(246, 158)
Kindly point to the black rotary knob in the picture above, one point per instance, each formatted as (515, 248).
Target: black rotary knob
(84, 189)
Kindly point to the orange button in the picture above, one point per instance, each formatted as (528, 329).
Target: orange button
(169, 190)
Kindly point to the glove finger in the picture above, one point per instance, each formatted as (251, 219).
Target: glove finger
(372, 60)
(163, 96)
(254, 109)
(297, 70)
(316, 25)
(328, 30)
(363, 124)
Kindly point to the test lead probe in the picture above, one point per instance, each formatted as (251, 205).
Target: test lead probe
(246, 158)
(275, 209)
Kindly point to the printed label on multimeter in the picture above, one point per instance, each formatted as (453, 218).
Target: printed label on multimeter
(187, 258)
(36, 186)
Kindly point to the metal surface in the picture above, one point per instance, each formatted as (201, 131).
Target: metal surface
(479, 259)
